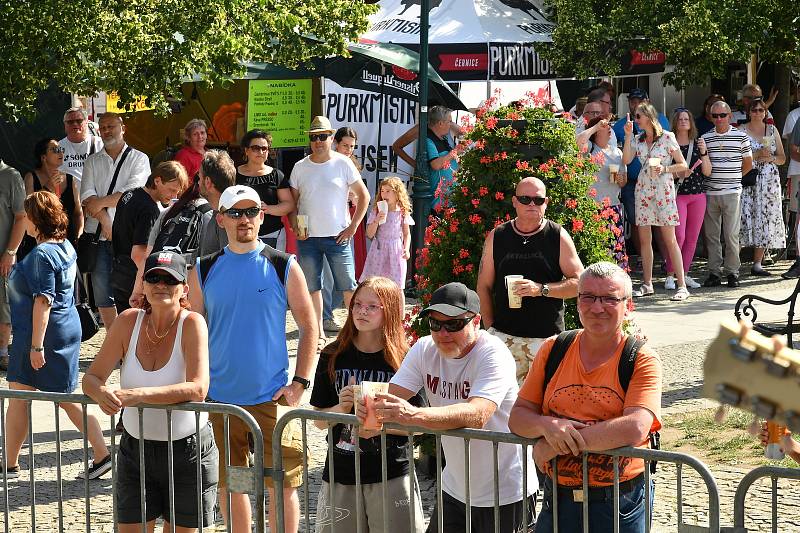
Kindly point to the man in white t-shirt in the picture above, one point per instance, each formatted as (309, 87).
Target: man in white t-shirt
(320, 184)
(469, 378)
(79, 143)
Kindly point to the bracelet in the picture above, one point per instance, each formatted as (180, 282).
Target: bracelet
(704, 154)
(37, 348)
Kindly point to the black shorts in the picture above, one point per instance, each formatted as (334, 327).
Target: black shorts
(454, 516)
(157, 481)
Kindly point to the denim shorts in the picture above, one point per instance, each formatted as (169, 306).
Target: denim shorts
(340, 259)
(101, 276)
(185, 457)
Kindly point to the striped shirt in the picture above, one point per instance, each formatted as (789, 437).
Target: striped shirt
(726, 151)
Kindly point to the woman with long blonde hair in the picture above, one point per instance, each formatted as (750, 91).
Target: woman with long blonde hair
(388, 225)
(370, 347)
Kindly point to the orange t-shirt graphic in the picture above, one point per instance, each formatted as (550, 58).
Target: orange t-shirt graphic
(590, 397)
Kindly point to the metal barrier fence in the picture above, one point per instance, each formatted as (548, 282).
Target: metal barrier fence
(239, 479)
(496, 438)
(772, 472)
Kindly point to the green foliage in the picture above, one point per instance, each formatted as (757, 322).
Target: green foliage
(148, 47)
(481, 197)
(699, 37)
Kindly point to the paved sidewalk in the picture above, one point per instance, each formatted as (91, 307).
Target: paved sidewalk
(679, 331)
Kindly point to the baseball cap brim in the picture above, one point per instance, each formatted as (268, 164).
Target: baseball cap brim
(171, 271)
(445, 309)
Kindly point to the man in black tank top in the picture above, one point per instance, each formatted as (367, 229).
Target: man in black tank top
(543, 253)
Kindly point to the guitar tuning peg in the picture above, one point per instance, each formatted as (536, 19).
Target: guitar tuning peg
(720, 414)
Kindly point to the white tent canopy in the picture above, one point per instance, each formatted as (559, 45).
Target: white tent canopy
(470, 39)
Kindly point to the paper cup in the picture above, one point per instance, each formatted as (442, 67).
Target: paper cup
(514, 301)
(613, 170)
(368, 390)
(302, 226)
(383, 207)
(653, 162)
(774, 434)
(767, 142)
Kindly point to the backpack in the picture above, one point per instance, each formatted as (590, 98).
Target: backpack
(627, 362)
(181, 233)
(279, 260)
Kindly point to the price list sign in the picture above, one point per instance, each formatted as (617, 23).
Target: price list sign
(282, 108)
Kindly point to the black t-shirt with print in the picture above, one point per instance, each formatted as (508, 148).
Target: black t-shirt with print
(363, 367)
(267, 188)
(693, 184)
(135, 216)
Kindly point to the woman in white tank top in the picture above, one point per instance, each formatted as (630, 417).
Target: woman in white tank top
(164, 352)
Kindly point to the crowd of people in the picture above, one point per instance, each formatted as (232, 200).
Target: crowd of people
(188, 259)
(716, 173)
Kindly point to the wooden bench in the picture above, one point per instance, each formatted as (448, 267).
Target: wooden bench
(745, 309)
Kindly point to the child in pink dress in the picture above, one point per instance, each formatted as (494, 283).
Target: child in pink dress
(391, 237)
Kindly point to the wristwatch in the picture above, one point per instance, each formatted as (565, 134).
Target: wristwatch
(302, 381)
(545, 290)
(11, 252)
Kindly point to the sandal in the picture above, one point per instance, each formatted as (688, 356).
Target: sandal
(644, 290)
(680, 295)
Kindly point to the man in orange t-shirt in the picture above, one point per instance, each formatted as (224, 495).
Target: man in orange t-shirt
(585, 409)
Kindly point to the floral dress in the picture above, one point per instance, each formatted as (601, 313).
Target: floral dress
(655, 197)
(385, 255)
(761, 207)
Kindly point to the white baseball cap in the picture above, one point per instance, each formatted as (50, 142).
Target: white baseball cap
(235, 194)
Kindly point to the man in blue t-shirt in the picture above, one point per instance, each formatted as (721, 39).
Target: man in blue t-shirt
(244, 290)
(635, 97)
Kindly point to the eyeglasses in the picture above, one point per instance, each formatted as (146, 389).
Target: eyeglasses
(637, 116)
(56, 149)
(319, 137)
(451, 326)
(526, 200)
(719, 115)
(258, 148)
(249, 212)
(74, 121)
(154, 278)
(607, 301)
(593, 113)
(368, 308)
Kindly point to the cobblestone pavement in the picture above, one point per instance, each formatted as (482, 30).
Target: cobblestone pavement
(682, 384)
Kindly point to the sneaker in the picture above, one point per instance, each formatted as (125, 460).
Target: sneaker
(12, 472)
(680, 295)
(669, 283)
(712, 281)
(759, 272)
(691, 283)
(97, 469)
(733, 281)
(793, 272)
(330, 324)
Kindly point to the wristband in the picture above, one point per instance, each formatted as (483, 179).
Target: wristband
(704, 154)
(302, 381)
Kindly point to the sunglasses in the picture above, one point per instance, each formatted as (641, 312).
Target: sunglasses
(451, 326)
(526, 200)
(154, 278)
(249, 212)
(719, 115)
(680, 110)
(257, 148)
(319, 137)
(757, 110)
(56, 150)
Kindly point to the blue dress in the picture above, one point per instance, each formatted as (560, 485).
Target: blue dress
(48, 270)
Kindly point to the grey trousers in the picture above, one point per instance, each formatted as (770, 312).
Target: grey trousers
(722, 214)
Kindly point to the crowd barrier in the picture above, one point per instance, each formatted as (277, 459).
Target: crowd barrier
(774, 473)
(680, 460)
(239, 479)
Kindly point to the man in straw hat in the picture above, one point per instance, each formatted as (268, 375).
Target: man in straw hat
(320, 185)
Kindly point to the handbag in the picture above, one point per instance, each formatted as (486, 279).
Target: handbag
(749, 179)
(89, 325)
(88, 243)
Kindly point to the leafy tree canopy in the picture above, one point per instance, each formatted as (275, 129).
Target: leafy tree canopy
(699, 37)
(147, 47)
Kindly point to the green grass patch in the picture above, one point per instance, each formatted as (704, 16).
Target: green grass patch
(726, 442)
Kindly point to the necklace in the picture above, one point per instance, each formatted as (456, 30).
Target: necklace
(526, 237)
(159, 338)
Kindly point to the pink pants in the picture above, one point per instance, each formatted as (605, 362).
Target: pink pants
(691, 210)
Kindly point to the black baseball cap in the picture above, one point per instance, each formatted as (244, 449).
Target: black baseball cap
(453, 299)
(170, 262)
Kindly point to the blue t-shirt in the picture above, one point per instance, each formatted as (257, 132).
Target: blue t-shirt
(436, 149)
(619, 129)
(245, 304)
